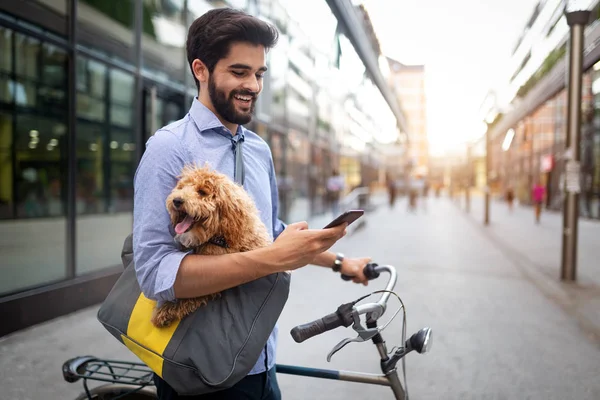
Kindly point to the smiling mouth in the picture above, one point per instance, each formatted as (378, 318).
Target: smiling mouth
(187, 222)
(244, 99)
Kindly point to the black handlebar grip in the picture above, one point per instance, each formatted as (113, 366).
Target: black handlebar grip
(306, 331)
(369, 272)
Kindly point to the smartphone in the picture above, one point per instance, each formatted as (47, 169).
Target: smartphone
(349, 216)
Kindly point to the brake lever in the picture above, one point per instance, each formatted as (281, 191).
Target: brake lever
(363, 335)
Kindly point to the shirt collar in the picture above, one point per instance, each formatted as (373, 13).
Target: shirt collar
(206, 120)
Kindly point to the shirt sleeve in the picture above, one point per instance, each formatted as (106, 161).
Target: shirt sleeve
(157, 257)
(278, 225)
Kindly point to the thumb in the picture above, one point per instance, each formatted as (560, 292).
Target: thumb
(298, 226)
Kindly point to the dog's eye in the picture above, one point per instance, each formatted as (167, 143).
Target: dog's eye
(202, 192)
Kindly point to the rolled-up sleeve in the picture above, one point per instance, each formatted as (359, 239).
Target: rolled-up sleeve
(157, 257)
(278, 225)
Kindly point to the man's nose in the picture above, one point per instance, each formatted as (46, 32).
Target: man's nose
(177, 202)
(252, 84)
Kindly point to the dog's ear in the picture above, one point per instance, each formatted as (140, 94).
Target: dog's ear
(233, 204)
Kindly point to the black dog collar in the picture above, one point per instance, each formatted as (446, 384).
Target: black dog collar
(218, 241)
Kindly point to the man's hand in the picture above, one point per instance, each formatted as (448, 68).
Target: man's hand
(297, 245)
(354, 267)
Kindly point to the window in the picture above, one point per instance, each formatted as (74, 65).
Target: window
(121, 96)
(32, 162)
(40, 175)
(5, 50)
(91, 87)
(163, 44)
(105, 163)
(6, 169)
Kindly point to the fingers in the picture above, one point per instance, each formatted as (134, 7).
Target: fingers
(358, 280)
(325, 238)
(359, 277)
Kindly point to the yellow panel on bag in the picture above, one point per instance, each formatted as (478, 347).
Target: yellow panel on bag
(150, 341)
(154, 361)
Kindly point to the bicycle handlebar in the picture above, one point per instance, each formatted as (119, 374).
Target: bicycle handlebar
(343, 315)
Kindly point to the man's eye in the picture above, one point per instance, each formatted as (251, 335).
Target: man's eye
(260, 76)
(236, 73)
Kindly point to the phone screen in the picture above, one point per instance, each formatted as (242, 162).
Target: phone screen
(349, 216)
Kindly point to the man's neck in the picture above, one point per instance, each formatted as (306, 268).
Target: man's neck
(208, 104)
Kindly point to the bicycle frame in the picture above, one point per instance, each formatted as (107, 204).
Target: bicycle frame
(391, 380)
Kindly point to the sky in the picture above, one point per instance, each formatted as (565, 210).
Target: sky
(465, 46)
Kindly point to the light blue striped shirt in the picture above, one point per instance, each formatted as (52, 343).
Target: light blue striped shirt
(199, 137)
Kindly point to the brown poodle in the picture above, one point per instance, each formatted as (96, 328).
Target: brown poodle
(211, 215)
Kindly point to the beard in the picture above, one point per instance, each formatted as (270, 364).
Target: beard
(225, 106)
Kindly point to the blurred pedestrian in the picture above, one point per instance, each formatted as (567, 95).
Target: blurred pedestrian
(416, 190)
(510, 198)
(335, 188)
(538, 194)
(392, 189)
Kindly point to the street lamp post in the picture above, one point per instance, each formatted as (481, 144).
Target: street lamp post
(468, 180)
(486, 213)
(576, 19)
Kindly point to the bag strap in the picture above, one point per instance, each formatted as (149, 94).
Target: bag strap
(127, 251)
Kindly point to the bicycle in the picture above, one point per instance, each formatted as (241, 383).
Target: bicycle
(133, 380)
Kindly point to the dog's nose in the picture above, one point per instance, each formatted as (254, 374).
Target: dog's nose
(177, 202)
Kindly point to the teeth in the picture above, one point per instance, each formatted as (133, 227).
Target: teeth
(243, 98)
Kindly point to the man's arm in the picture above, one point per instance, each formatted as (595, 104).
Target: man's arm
(325, 259)
(200, 275)
(295, 247)
(156, 255)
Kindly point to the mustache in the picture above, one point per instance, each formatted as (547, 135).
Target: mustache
(244, 93)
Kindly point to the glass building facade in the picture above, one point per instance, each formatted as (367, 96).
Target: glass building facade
(536, 154)
(84, 83)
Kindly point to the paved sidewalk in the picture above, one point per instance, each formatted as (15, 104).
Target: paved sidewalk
(537, 248)
(541, 243)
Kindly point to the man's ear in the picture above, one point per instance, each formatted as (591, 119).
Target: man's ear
(200, 70)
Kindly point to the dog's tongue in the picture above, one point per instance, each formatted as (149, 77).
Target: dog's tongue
(184, 225)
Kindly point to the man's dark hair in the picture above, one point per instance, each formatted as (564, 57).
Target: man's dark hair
(210, 36)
